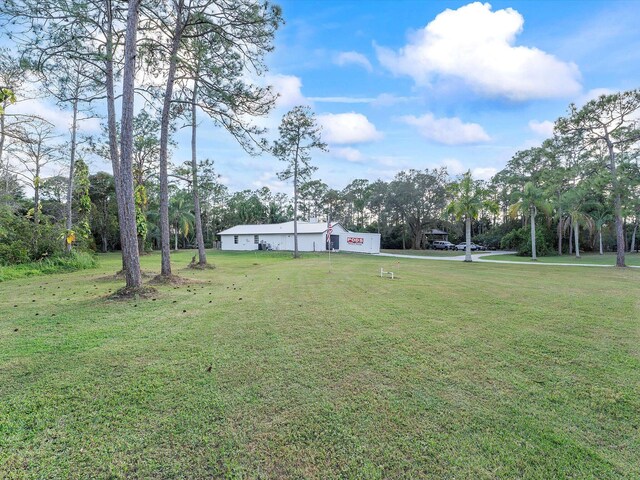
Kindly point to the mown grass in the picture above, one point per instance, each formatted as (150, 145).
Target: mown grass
(632, 259)
(58, 264)
(427, 253)
(453, 370)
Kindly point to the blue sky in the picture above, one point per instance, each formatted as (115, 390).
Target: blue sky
(419, 84)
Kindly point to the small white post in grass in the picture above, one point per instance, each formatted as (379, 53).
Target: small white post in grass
(383, 273)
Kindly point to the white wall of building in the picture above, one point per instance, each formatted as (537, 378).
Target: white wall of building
(245, 242)
(360, 242)
(307, 242)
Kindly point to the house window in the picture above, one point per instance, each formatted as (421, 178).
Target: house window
(235, 239)
(256, 239)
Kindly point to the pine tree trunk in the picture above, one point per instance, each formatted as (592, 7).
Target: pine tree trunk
(72, 161)
(576, 229)
(467, 254)
(2, 139)
(164, 147)
(128, 229)
(202, 255)
(36, 192)
(295, 207)
(111, 124)
(633, 237)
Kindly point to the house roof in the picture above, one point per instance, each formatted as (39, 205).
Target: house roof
(280, 228)
(435, 231)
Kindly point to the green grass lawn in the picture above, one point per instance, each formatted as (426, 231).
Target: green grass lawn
(593, 258)
(426, 253)
(453, 370)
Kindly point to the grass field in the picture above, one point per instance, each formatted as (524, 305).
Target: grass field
(453, 370)
(426, 253)
(632, 259)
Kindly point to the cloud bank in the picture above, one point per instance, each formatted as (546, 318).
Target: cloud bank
(477, 45)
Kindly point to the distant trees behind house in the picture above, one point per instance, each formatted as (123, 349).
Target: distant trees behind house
(575, 192)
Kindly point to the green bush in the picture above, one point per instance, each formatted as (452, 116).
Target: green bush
(57, 264)
(520, 240)
(14, 253)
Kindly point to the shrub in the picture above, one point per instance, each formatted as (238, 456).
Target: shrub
(57, 264)
(520, 240)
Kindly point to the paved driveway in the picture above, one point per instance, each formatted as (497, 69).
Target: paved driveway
(477, 257)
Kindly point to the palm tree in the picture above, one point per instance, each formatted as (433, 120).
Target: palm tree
(575, 202)
(531, 200)
(469, 199)
(180, 215)
(601, 217)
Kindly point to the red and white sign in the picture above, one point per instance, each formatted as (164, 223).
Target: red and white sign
(355, 240)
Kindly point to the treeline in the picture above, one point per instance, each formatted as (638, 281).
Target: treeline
(184, 58)
(567, 184)
(576, 191)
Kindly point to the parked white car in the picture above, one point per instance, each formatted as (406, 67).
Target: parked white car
(442, 245)
(463, 246)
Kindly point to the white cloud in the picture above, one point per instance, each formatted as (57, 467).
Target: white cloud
(349, 154)
(477, 45)
(289, 90)
(483, 173)
(382, 100)
(60, 119)
(456, 167)
(449, 131)
(342, 99)
(271, 181)
(388, 99)
(593, 94)
(347, 128)
(544, 128)
(353, 58)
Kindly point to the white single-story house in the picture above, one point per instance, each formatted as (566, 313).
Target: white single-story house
(312, 237)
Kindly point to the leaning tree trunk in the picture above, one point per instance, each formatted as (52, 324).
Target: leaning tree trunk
(202, 256)
(128, 230)
(164, 147)
(534, 255)
(467, 251)
(576, 229)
